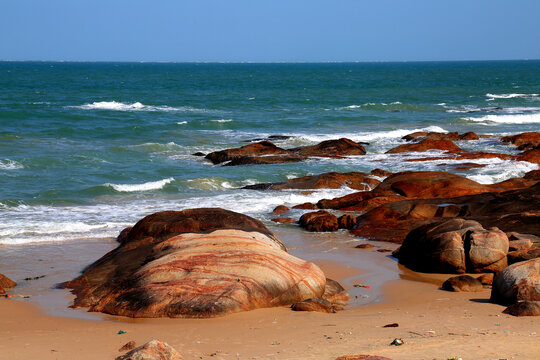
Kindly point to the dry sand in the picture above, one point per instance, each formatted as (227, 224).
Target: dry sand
(434, 324)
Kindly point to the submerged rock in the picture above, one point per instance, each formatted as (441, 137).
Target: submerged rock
(256, 149)
(196, 263)
(331, 180)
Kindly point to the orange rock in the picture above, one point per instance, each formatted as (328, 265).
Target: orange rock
(425, 145)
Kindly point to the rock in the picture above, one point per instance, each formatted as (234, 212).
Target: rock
(128, 346)
(313, 304)
(523, 255)
(346, 221)
(532, 156)
(425, 145)
(454, 246)
(362, 357)
(6, 282)
(380, 172)
(452, 136)
(462, 283)
(392, 325)
(518, 282)
(486, 279)
(198, 153)
(331, 180)
(524, 141)
(331, 148)
(306, 206)
(319, 221)
(524, 308)
(519, 245)
(123, 234)
(280, 210)
(334, 299)
(152, 350)
(262, 160)
(256, 149)
(363, 246)
(196, 263)
(284, 220)
(532, 175)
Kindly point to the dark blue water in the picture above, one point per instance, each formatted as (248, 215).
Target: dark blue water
(87, 148)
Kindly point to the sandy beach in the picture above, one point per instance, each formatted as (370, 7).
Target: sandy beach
(434, 324)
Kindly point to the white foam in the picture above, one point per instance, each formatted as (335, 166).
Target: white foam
(511, 96)
(7, 164)
(507, 119)
(136, 106)
(509, 110)
(369, 104)
(182, 122)
(152, 185)
(221, 120)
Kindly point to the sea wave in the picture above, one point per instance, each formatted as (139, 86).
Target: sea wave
(7, 164)
(368, 105)
(511, 96)
(217, 183)
(466, 109)
(136, 106)
(152, 185)
(507, 119)
(221, 120)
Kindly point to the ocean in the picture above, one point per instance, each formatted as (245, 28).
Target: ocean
(87, 149)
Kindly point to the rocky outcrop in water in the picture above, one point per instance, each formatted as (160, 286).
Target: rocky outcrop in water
(319, 221)
(426, 145)
(451, 136)
(524, 141)
(265, 152)
(196, 263)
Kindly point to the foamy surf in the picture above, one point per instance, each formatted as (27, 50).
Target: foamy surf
(511, 96)
(136, 106)
(507, 119)
(221, 120)
(152, 185)
(7, 164)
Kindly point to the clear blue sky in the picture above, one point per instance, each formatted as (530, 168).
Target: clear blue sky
(269, 30)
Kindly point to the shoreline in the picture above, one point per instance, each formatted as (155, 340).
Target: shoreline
(434, 324)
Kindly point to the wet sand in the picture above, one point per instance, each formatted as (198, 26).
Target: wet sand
(434, 324)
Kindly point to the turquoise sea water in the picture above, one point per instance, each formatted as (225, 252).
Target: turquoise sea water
(88, 148)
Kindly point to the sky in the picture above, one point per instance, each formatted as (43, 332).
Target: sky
(269, 30)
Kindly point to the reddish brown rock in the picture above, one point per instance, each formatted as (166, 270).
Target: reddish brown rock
(364, 246)
(280, 210)
(262, 160)
(334, 299)
(313, 304)
(532, 156)
(520, 245)
(524, 308)
(532, 175)
(331, 148)
(306, 206)
(523, 255)
(462, 283)
(346, 222)
(380, 172)
(454, 246)
(331, 180)
(152, 350)
(452, 136)
(256, 149)
(196, 263)
(6, 283)
(319, 221)
(362, 357)
(518, 282)
(425, 145)
(486, 279)
(284, 220)
(524, 141)
(130, 345)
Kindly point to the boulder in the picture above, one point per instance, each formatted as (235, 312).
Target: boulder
(380, 172)
(524, 308)
(426, 145)
(532, 156)
(518, 282)
(523, 255)
(6, 283)
(331, 148)
(486, 279)
(306, 206)
(284, 220)
(319, 221)
(454, 246)
(346, 221)
(256, 149)
(152, 350)
(524, 141)
(280, 210)
(331, 180)
(196, 263)
(462, 283)
(334, 299)
(262, 160)
(452, 136)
